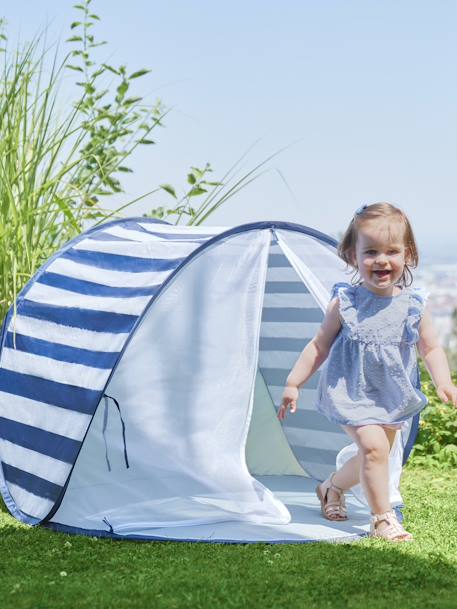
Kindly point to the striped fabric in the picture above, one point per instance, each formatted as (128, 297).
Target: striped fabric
(72, 322)
(290, 318)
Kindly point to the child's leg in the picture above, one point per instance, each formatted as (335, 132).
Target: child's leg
(374, 444)
(349, 475)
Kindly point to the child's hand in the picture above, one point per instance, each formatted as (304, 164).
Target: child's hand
(289, 399)
(447, 392)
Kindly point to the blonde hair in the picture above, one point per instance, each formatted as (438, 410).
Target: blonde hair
(392, 214)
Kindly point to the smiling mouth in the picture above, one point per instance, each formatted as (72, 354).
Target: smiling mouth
(381, 274)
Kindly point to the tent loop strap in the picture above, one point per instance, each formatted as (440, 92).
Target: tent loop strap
(105, 423)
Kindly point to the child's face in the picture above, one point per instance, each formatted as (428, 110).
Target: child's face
(380, 255)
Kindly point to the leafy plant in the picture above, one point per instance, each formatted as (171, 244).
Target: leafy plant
(59, 162)
(215, 192)
(436, 442)
(55, 165)
(114, 122)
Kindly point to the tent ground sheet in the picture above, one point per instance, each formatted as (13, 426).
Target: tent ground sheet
(307, 525)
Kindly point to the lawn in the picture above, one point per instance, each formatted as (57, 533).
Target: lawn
(48, 570)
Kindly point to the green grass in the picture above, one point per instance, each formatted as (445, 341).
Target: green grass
(44, 569)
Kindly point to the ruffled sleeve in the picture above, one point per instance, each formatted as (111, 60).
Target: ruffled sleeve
(347, 305)
(417, 301)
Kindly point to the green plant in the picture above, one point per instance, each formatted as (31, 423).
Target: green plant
(436, 442)
(114, 122)
(59, 162)
(215, 193)
(55, 165)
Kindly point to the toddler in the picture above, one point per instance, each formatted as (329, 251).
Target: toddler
(369, 383)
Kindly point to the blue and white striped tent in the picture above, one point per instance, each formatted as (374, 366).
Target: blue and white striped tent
(140, 376)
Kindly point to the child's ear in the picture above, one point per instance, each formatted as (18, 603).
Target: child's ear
(408, 256)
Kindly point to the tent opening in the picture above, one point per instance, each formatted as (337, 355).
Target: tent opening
(186, 443)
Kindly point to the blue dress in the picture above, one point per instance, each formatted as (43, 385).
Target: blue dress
(371, 374)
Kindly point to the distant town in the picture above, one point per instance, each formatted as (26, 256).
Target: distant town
(440, 279)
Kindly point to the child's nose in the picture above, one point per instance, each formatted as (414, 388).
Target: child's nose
(381, 259)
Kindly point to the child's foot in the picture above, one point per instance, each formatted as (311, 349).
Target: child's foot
(333, 504)
(386, 525)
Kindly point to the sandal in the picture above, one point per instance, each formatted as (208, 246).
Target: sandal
(394, 531)
(332, 510)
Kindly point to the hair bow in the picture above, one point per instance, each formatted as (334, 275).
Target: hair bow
(360, 209)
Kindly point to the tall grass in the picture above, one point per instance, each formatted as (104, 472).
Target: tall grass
(51, 176)
(59, 161)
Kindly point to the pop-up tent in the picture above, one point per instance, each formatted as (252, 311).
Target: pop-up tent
(140, 377)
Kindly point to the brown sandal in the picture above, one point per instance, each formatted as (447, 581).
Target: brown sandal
(394, 531)
(332, 510)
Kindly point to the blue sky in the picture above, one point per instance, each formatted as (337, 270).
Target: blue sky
(363, 93)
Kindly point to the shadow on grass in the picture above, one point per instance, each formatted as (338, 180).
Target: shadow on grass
(45, 569)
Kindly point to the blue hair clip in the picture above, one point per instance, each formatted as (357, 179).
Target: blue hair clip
(360, 209)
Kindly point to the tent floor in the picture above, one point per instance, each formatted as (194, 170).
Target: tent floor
(307, 525)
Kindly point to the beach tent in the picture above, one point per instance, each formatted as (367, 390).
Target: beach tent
(141, 372)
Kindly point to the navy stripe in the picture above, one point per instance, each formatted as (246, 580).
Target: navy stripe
(63, 353)
(32, 483)
(281, 343)
(278, 261)
(285, 287)
(309, 420)
(81, 286)
(116, 262)
(39, 440)
(278, 377)
(86, 319)
(69, 397)
(315, 455)
(292, 314)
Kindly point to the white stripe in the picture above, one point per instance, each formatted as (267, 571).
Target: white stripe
(200, 230)
(306, 397)
(51, 418)
(299, 301)
(54, 370)
(125, 233)
(326, 440)
(34, 463)
(284, 329)
(69, 268)
(313, 283)
(147, 251)
(275, 249)
(42, 293)
(29, 503)
(147, 237)
(279, 273)
(67, 335)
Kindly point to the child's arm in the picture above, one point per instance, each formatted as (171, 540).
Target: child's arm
(435, 359)
(312, 356)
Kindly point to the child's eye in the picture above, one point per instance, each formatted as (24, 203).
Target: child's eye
(371, 252)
